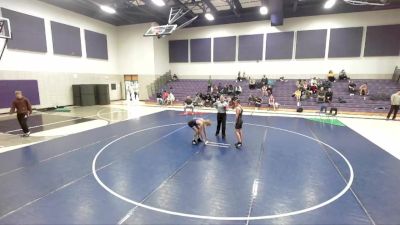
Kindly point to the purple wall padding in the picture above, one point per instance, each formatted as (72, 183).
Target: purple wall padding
(96, 45)
(224, 49)
(66, 39)
(200, 50)
(29, 89)
(178, 51)
(28, 32)
(382, 40)
(279, 45)
(311, 44)
(345, 42)
(251, 47)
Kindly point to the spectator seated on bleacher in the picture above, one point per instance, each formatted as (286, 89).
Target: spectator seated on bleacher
(174, 77)
(352, 87)
(208, 100)
(252, 83)
(215, 90)
(343, 75)
(269, 89)
(220, 88)
(314, 89)
(231, 90)
(314, 81)
(272, 103)
(165, 96)
(299, 83)
(258, 102)
(264, 90)
(321, 95)
(297, 95)
(224, 90)
(238, 90)
(329, 96)
(170, 99)
(159, 98)
(364, 89)
(215, 97)
(259, 84)
(306, 94)
(331, 76)
(325, 84)
(251, 100)
(198, 101)
(188, 104)
(304, 85)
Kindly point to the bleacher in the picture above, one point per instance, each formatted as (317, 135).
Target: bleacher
(283, 91)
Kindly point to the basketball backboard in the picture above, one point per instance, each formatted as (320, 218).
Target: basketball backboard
(5, 28)
(160, 31)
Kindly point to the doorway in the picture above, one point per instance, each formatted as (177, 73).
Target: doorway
(131, 87)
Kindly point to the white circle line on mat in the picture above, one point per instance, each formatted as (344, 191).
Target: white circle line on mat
(226, 218)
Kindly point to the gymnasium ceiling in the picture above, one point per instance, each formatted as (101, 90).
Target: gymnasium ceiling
(224, 11)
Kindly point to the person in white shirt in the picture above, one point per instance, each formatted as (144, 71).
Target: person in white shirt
(238, 90)
(170, 99)
(272, 103)
(221, 105)
(394, 105)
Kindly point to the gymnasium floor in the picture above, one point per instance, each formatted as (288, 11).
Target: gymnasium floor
(139, 167)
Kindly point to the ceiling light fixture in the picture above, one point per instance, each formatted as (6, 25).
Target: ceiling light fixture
(209, 16)
(158, 2)
(329, 4)
(107, 9)
(263, 10)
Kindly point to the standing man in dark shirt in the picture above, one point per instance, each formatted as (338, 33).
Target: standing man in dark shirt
(221, 106)
(24, 110)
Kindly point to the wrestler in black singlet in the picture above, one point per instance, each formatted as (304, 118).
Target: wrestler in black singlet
(239, 120)
(193, 123)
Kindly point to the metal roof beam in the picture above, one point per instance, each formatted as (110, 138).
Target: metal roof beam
(234, 7)
(210, 6)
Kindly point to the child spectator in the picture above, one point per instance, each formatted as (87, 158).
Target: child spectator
(364, 89)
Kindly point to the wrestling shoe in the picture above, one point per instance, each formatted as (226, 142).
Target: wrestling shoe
(26, 134)
(238, 145)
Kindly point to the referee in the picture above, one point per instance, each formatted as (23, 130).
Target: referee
(221, 106)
